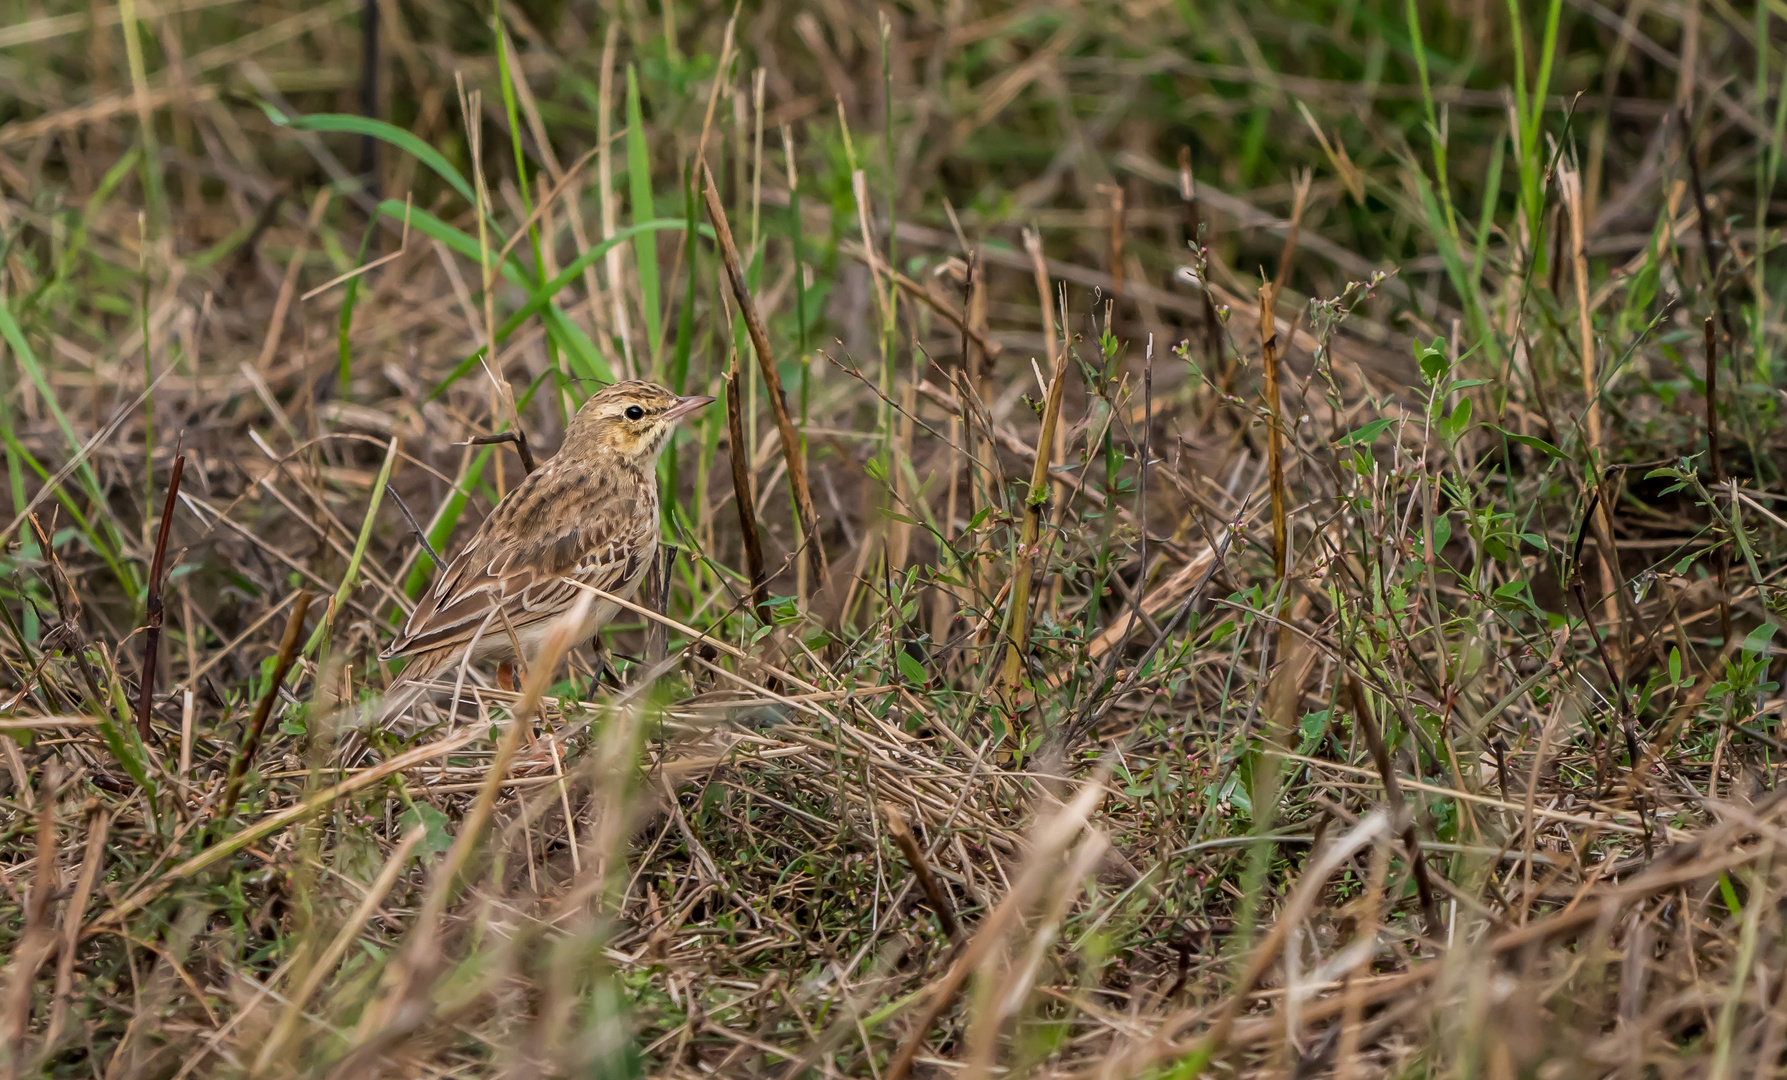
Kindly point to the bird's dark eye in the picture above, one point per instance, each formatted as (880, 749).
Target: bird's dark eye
(634, 412)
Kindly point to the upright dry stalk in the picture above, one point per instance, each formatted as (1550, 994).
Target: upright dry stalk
(1712, 403)
(740, 454)
(605, 185)
(1269, 357)
(943, 607)
(1570, 183)
(251, 735)
(1274, 432)
(1018, 614)
(153, 606)
(772, 379)
(899, 533)
(1721, 561)
(901, 831)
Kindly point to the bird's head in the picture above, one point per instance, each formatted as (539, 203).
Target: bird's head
(632, 419)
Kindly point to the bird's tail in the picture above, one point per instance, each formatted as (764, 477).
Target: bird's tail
(411, 685)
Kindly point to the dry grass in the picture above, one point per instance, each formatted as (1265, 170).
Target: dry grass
(1292, 606)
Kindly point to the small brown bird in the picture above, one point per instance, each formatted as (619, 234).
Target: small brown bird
(588, 516)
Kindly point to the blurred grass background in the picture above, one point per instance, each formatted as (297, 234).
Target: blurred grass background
(1296, 564)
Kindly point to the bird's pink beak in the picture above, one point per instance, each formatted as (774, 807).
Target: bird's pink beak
(686, 405)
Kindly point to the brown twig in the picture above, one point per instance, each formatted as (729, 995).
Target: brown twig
(741, 491)
(513, 435)
(251, 735)
(1037, 500)
(772, 378)
(915, 858)
(153, 612)
(421, 534)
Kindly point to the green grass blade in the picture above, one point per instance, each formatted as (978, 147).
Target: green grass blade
(382, 131)
(348, 298)
(645, 249)
(327, 622)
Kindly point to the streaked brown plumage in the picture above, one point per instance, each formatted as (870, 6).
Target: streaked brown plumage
(587, 516)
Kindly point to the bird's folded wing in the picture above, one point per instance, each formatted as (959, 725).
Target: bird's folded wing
(527, 585)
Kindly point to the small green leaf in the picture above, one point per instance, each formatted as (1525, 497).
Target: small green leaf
(912, 669)
(1368, 433)
(1756, 640)
(1433, 360)
(437, 835)
(1453, 426)
(1535, 443)
(1675, 665)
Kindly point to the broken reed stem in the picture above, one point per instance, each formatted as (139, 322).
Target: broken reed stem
(1570, 182)
(1274, 433)
(251, 735)
(153, 607)
(1274, 424)
(901, 831)
(741, 492)
(1018, 619)
(1380, 756)
(778, 399)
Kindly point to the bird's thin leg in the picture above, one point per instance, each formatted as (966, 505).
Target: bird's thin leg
(605, 672)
